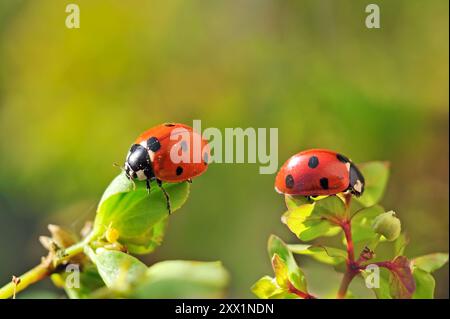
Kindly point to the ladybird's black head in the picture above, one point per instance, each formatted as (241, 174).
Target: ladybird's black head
(138, 164)
(356, 180)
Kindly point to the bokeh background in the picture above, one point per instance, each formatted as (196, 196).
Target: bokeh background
(72, 101)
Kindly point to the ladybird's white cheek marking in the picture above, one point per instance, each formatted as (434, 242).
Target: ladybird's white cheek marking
(348, 166)
(358, 186)
(141, 175)
(151, 155)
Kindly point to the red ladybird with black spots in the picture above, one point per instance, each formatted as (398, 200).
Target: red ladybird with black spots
(318, 172)
(151, 156)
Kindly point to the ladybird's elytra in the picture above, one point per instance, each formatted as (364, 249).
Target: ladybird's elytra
(319, 172)
(149, 157)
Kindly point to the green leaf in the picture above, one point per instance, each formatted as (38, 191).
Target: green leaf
(266, 287)
(90, 281)
(400, 244)
(183, 279)
(308, 223)
(292, 202)
(383, 289)
(281, 272)
(153, 240)
(376, 175)
(425, 284)
(331, 207)
(431, 262)
(362, 223)
(117, 269)
(139, 217)
(287, 263)
(327, 255)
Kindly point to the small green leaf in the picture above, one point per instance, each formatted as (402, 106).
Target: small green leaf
(292, 202)
(117, 269)
(281, 272)
(90, 281)
(139, 217)
(327, 255)
(308, 223)
(150, 242)
(431, 262)
(400, 244)
(383, 289)
(294, 274)
(331, 207)
(183, 279)
(425, 284)
(266, 287)
(362, 223)
(376, 175)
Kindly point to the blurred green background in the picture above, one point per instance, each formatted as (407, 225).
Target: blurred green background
(72, 101)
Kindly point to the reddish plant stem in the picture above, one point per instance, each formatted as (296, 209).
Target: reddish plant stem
(347, 228)
(352, 265)
(299, 293)
(346, 280)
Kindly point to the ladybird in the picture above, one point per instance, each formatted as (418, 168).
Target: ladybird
(150, 156)
(318, 172)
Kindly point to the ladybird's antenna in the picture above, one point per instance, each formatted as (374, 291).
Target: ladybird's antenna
(117, 165)
(129, 177)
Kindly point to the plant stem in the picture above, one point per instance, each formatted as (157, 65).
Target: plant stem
(30, 277)
(299, 293)
(346, 280)
(44, 269)
(347, 228)
(352, 266)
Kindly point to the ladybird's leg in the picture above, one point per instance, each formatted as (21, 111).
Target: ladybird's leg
(147, 185)
(166, 195)
(189, 180)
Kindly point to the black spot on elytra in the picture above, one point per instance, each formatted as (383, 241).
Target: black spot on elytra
(179, 170)
(205, 158)
(313, 162)
(153, 144)
(324, 182)
(342, 158)
(289, 181)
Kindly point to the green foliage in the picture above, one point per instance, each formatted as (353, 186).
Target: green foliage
(423, 267)
(376, 175)
(364, 223)
(425, 284)
(311, 220)
(289, 280)
(327, 255)
(117, 269)
(129, 220)
(431, 262)
(139, 218)
(183, 279)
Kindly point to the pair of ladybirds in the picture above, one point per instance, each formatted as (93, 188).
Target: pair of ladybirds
(310, 173)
